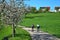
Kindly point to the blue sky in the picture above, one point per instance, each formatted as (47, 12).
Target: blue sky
(41, 3)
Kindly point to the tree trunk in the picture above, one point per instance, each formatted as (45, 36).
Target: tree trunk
(13, 30)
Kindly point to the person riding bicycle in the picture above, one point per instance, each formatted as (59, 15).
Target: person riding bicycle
(38, 27)
(32, 27)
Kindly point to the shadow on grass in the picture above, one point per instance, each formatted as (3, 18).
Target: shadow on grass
(30, 17)
(6, 37)
(57, 35)
(18, 35)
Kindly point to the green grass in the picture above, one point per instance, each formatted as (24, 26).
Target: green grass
(20, 34)
(49, 22)
(5, 32)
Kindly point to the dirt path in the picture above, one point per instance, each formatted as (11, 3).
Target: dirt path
(40, 35)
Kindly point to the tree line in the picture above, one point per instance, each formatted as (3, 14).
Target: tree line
(43, 9)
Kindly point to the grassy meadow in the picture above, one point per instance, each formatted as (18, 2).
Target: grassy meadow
(49, 22)
(20, 34)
